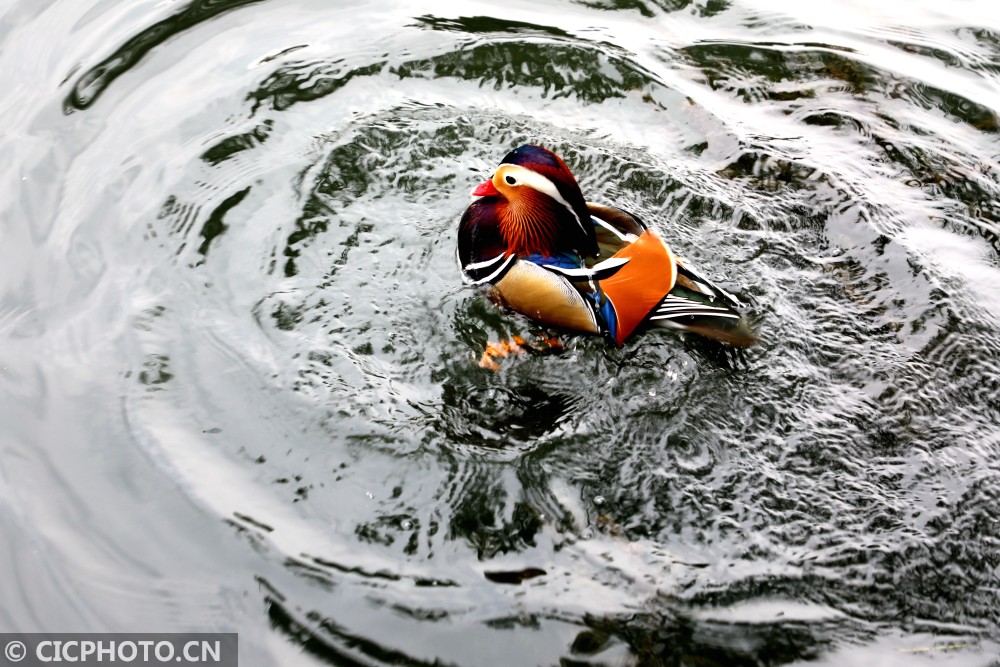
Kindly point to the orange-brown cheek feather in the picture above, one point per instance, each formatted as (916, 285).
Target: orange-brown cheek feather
(642, 283)
(528, 228)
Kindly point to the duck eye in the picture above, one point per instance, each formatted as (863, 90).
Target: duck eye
(510, 180)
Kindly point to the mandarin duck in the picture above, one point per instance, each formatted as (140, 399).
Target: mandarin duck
(538, 247)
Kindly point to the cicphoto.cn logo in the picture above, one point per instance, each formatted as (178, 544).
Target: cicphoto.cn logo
(15, 651)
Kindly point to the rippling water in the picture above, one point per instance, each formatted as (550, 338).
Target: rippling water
(237, 360)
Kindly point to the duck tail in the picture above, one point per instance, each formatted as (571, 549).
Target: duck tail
(697, 305)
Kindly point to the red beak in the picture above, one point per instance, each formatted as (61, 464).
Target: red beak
(486, 189)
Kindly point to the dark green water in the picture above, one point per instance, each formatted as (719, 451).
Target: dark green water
(237, 378)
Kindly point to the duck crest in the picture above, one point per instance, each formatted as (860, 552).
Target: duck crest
(535, 155)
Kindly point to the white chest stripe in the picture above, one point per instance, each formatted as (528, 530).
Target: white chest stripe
(483, 264)
(507, 261)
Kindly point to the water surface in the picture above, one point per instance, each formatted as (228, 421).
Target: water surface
(238, 363)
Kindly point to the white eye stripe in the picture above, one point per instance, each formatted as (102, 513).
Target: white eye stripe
(544, 185)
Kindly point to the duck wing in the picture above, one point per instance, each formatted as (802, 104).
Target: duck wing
(654, 286)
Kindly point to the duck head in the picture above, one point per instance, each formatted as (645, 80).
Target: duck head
(537, 204)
